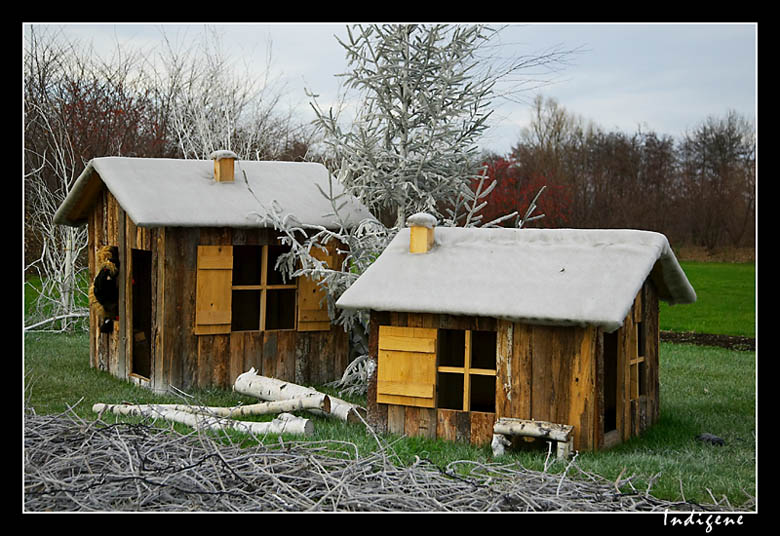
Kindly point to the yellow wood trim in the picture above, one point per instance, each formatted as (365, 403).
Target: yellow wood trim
(396, 400)
(215, 262)
(405, 366)
(482, 372)
(311, 297)
(212, 329)
(314, 315)
(407, 344)
(247, 287)
(400, 331)
(313, 326)
(472, 371)
(263, 281)
(416, 390)
(263, 287)
(212, 294)
(213, 317)
(466, 375)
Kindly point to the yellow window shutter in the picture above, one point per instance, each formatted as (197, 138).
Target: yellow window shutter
(406, 371)
(213, 291)
(312, 306)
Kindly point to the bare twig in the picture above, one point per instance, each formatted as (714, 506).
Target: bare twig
(77, 465)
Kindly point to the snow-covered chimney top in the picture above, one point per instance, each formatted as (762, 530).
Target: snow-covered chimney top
(223, 165)
(421, 227)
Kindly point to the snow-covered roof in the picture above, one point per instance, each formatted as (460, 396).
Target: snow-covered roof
(538, 276)
(159, 192)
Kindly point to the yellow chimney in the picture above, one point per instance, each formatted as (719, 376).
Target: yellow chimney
(421, 227)
(223, 165)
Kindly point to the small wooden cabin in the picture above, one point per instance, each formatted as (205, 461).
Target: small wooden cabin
(199, 298)
(558, 325)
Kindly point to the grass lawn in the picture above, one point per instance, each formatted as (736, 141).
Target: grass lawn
(703, 389)
(725, 304)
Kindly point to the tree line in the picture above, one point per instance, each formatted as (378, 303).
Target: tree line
(698, 190)
(403, 153)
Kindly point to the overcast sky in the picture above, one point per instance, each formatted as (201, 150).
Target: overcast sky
(665, 78)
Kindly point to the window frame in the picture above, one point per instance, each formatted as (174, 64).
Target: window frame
(264, 287)
(466, 370)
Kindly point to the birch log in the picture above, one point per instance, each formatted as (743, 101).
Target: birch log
(284, 423)
(252, 384)
(320, 402)
(530, 428)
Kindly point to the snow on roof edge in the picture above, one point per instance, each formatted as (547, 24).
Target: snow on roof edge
(614, 263)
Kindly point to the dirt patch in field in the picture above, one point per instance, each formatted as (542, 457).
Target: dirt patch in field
(732, 342)
(702, 254)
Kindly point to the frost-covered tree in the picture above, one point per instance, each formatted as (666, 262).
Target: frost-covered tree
(425, 96)
(413, 143)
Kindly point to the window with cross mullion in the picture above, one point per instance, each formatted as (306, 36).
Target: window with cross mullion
(466, 370)
(261, 299)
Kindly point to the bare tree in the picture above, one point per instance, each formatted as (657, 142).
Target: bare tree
(79, 105)
(50, 171)
(718, 165)
(215, 103)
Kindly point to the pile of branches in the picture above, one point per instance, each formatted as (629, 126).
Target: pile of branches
(76, 465)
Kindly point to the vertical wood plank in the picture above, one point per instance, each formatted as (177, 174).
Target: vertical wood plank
(542, 395)
(505, 378)
(651, 325)
(285, 358)
(376, 413)
(92, 232)
(482, 427)
(445, 424)
(582, 389)
(269, 353)
(303, 349)
(180, 351)
(453, 425)
(396, 419)
(467, 366)
(522, 365)
(414, 320)
(419, 422)
(158, 317)
(238, 350)
(599, 402)
(119, 360)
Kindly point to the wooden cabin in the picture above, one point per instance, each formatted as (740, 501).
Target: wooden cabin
(472, 325)
(199, 297)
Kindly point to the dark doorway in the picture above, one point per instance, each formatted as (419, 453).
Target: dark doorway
(141, 264)
(610, 381)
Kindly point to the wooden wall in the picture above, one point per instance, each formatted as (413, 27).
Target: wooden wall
(548, 373)
(178, 356)
(475, 427)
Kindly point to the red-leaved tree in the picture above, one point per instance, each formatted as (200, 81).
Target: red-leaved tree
(515, 190)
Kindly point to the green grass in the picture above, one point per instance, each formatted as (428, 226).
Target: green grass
(703, 389)
(725, 304)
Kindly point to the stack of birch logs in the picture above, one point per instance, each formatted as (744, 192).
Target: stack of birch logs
(280, 398)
